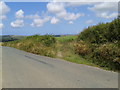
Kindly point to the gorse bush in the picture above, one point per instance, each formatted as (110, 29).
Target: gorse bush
(107, 55)
(101, 33)
(104, 41)
(48, 40)
(82, 48)
(113, 31)
(42, 45)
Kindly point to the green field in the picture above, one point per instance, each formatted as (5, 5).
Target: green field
(66, 38)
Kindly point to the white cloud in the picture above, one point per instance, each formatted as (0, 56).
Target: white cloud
(105, 6)
(107, 15)
(59, 10)
(1, 25)
(4, 9)
(54, 20)
(72, 16)
(105, 9)
(89, 21)
(3, 17)
(39, 22)
(70, 22)
(61, 14)
(17, 23)
(19, 14)
(69, 16)
(55, 7)
(36, 16)
(75, 4)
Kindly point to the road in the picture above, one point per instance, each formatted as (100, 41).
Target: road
(25, 70)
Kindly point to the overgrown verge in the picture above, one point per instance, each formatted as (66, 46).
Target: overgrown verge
(41, 45)
(101, 44)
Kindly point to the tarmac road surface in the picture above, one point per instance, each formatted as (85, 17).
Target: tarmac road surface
(25, 70)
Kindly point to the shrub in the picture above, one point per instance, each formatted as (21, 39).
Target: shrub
(82, 48)
(107, 55)
(41, 45)
(101, 33)
(42, 50)
(48, 40)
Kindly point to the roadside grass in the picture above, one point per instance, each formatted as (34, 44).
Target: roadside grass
(78, 59)
(65, 51)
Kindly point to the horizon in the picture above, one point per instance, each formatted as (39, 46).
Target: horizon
(43, 35)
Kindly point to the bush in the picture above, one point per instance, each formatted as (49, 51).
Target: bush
(101, 33)
(41, 45)
(42, 50)
(48, 40)
(107, 55)
(82, 48)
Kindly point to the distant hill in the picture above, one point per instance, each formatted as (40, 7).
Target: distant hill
(6, 38)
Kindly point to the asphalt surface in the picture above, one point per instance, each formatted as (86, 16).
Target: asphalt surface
(25, 70)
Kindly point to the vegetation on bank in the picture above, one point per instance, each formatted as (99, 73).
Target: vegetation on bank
(101, 43)
(96, 45)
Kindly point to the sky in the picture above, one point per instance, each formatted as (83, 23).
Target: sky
(30, 18)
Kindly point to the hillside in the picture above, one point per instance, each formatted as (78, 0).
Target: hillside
(96, 45)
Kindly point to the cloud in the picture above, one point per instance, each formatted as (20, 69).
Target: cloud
(4, 9)
(89, 22)
(17, 23)
(72, 16)
(3, 17)
(70, 22)
(37, 23)
(108, 15)
(19, 14)
(40, 22)
(54, 20)
(36, 16)
(105, 9)
(59, 10)
(75, 4)
(55, 7)
(105, 6)
(61, 14)
(1, 25)
(69, 16)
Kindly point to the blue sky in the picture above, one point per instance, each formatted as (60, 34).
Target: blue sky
(29, 18)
